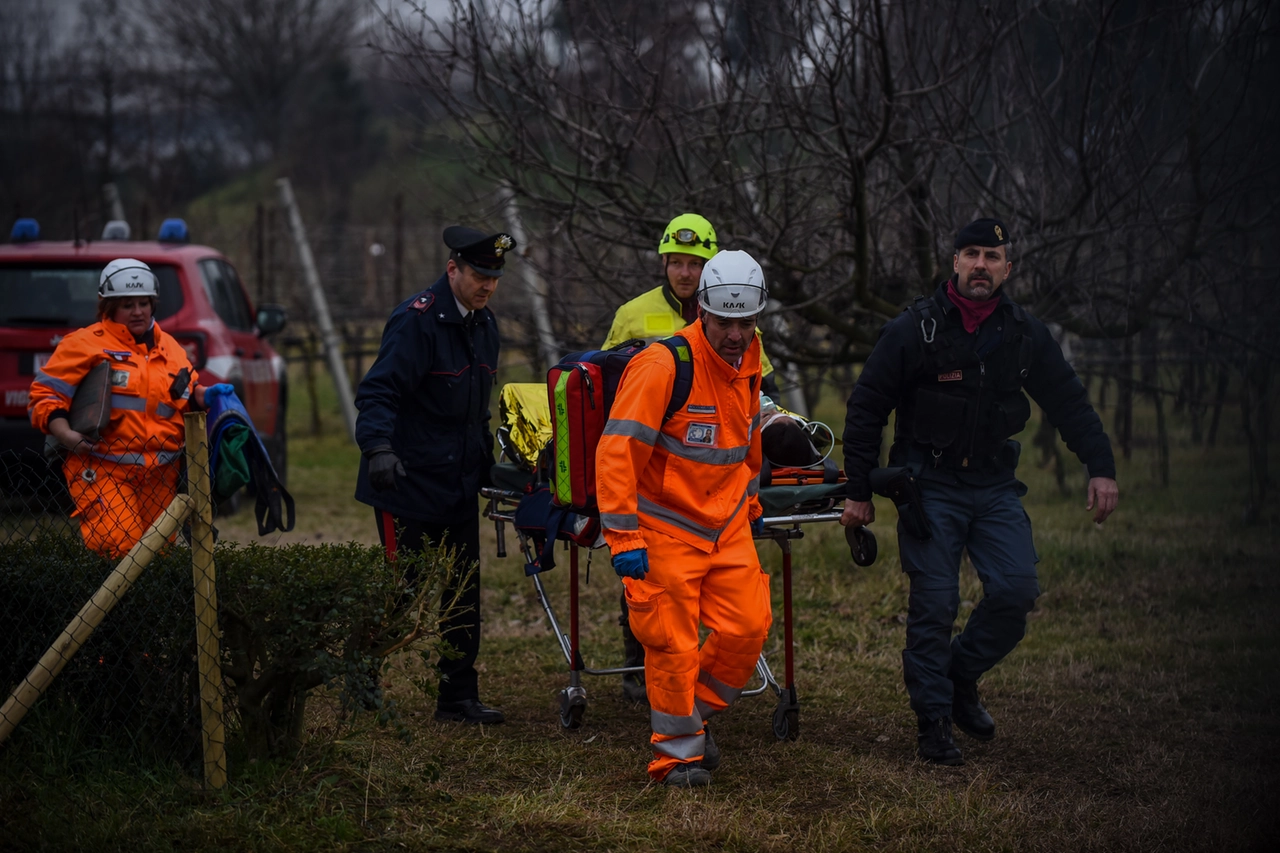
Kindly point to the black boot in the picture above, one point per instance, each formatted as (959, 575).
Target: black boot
(468, 711)
(967, 711)
(935, 743)
(710, 752)
(687, 776)
(633, 688)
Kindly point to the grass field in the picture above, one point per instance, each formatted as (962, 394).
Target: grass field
(1138, 714)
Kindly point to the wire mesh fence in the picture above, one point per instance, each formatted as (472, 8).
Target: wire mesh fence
(106, 598)
(118, 641)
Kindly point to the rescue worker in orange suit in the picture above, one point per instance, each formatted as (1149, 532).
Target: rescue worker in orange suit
(678, 504)
(122, 481)
(687, 243)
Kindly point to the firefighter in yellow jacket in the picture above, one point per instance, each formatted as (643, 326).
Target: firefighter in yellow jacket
(678, 501)
(123, 480)
(687, 243)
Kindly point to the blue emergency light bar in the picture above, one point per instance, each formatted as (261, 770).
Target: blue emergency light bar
(25, 230)
(173, 231)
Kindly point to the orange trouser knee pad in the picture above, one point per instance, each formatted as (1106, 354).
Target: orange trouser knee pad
(729, 593)
(117, 503)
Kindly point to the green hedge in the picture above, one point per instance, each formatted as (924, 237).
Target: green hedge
(293, 619)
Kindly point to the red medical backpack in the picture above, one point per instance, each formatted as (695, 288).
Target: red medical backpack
(582, 388)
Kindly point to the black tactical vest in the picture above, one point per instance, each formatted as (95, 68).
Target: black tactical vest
(961, 410)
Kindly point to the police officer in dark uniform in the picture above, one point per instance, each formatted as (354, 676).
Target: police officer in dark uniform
(955, 366)
(426, 448)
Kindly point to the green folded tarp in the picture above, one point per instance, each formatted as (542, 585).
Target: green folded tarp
(233, 466)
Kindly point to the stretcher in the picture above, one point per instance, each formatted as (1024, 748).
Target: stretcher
(787, 510)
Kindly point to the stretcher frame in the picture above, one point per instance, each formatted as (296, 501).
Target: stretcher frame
(781, 529)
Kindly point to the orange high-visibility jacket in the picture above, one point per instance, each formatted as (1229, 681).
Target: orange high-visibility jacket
(146, 420)
(693, 476)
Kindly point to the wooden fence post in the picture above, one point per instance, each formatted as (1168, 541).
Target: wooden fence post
(83, 624)
(320, 308)
(208, 655)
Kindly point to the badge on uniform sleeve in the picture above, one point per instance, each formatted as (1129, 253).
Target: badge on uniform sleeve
(953, 376)
(422, 303)
(700, 435)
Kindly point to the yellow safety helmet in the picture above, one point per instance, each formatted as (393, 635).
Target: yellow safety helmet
(691, 234)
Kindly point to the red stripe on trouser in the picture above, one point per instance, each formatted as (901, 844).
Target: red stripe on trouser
(729, 593)
(389, 535)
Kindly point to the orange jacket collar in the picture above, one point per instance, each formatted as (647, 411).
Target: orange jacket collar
(120, 334)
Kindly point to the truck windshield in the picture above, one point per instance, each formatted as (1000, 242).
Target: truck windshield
(35, 295)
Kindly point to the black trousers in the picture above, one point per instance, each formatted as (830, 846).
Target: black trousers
(462, 630)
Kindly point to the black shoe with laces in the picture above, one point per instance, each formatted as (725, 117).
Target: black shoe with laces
(710, 752)
(967, 711)
(692, 775)
(468, 711)
(935, 743)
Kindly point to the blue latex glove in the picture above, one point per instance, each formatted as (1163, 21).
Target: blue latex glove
(213, 392)
(757, 526)
(632, 564)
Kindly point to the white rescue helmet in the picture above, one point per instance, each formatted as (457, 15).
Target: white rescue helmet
(732, 285)
(127, 277)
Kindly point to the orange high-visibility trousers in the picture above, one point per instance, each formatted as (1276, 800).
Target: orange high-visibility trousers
(728, 591)
(117, 503)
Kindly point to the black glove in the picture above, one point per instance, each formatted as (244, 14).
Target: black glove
(384, 465)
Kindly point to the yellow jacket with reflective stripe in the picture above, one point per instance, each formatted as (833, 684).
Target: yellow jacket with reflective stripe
(651, 316)
(693, 476)
(146, 422)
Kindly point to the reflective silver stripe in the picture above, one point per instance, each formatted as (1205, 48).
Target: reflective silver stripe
(706, 455)
(122, 458)
(670, 516)
(703, 710)
(631, 429)
(674, 518)
(65, 388)
(132, 404)
(684, 748)
(753, 486)
(727, 694)
(164, 457)
(670, 724)
(620, 520)
(186, 393)
(755, 425)
(164, 410)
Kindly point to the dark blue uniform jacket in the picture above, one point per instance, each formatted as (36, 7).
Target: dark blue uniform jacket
(960, 401)
(427, 396)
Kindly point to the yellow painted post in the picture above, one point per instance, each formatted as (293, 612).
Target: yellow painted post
(91, 615)
(208, 657)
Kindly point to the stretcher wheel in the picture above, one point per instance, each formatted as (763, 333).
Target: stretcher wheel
(862, 545)
(786, 723)
(786, 717)
(573, 704)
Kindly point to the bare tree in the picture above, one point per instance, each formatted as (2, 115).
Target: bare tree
(842, 141)
(255, 58)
